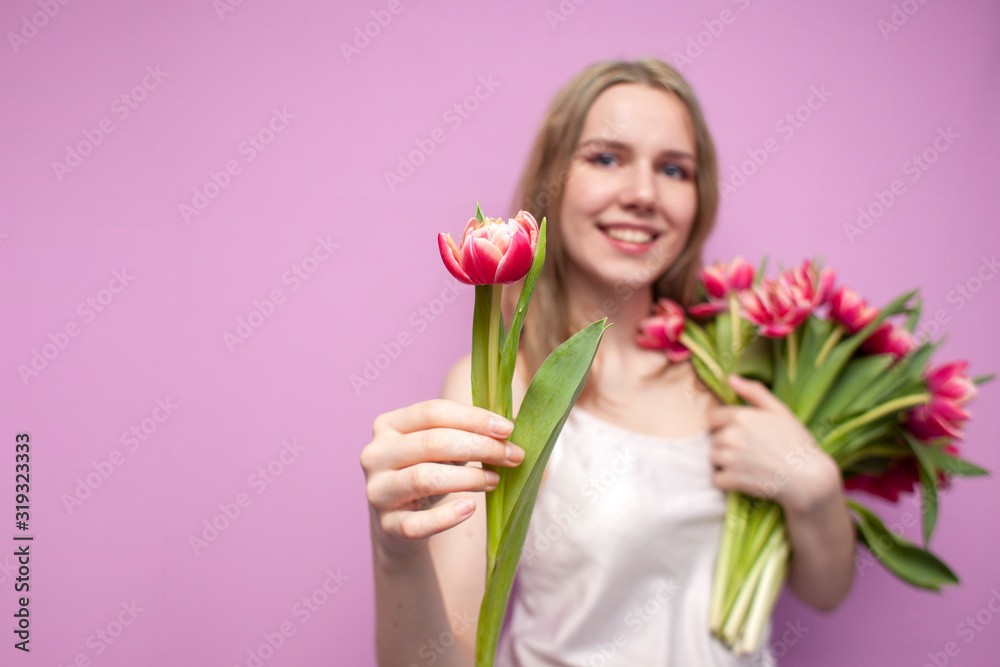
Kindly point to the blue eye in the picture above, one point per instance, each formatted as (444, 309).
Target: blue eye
(675, 171)
(604, 159)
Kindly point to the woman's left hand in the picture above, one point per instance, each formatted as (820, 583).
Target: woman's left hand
(762, 449)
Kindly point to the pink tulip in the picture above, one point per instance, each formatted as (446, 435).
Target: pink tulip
(493, 252)
(773, 307)
(809, 287)
(943, 416)
(901, 477)
(931, 421)
(948, 381)
(851, 310)
(889, 338)
(719, 280)
(663, 330)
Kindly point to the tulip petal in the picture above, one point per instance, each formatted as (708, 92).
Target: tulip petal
(516, 262)
(449, 253)
(708, 309)
(480, 260)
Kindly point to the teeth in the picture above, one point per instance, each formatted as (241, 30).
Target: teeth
(629, 235)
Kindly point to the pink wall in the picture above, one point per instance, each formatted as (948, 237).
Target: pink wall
(255, 106)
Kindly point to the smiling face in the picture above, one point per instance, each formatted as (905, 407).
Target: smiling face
(631, 196)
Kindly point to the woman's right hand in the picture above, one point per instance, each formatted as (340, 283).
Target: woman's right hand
(420, 453)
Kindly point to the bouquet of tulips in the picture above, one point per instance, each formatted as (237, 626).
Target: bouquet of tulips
(493, 253)
(862, 386)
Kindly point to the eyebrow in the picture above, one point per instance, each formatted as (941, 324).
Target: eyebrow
(622, 146)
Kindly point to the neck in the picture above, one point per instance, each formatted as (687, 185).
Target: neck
(624, 306)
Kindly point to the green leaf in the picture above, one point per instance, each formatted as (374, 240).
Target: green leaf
(942, 460)
(724, 339)
(914, 316)
(929, 502)
(479, 213)
(756, 362)
(815, 333)
(824, 376)
(916, 566)
(856, 444)
(782, 387)
(982, 379)
(928, 485)
(544, 410)
(858, 374)
(546, 405)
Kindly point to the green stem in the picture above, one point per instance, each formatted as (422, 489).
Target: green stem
(765, 596)
(716, 370)
(737, 615)
(886, 408)
(723, 564)
(834, 338)
(493, 357)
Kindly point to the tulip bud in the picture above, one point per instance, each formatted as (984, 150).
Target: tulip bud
(492, 252)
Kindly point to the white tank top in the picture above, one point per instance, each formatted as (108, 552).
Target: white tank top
(618, 561)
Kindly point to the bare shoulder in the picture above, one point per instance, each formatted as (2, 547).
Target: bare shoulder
(458, 382)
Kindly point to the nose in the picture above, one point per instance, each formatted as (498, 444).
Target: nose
(638, 192)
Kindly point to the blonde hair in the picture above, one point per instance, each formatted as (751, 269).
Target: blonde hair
(540, 192)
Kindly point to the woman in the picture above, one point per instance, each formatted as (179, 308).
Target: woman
(624, 169)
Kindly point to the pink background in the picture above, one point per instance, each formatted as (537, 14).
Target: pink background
(319, 173)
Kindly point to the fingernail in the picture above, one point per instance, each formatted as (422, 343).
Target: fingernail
(465, 506)
(500, 426)
(514, 454)
(492, 479)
